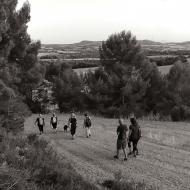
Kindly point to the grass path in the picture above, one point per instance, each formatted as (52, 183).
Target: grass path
(164, 158)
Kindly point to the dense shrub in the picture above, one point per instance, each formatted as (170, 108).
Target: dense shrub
(122, 185)
(176, 113)
(86, 64)
(119, 184)
(33, 164)
(67, 91)
(12, 110)
(178, 91)
(180, 113)
(170, 60)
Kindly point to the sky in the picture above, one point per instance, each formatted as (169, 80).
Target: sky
(70, 21)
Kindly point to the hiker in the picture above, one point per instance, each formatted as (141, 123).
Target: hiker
(41, 123)
(121, 139)
(134, 136)
(73, 124)
(87, 125)
(54, 122)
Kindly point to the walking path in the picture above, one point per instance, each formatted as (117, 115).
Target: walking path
(164, 158)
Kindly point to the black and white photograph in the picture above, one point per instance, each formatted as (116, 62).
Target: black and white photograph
(94, 95)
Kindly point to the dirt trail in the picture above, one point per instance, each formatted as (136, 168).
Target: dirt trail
(164, 158)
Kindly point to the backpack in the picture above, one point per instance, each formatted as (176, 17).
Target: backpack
(54, 119)
(88, 122)
(136, 133)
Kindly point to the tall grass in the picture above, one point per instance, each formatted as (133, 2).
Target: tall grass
(119, 184)
(155, 117)
(31, 163)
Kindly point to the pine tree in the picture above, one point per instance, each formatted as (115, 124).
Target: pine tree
(19, 70)
(124, 62)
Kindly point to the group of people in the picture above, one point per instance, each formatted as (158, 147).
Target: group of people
(125, 136)
(72, 124)
(129, 136)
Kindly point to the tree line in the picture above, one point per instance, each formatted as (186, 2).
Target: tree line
(20, 71)
(127, 82)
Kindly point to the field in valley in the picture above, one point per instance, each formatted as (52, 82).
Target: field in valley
(164, 158)
(163, 69)
(84, 56)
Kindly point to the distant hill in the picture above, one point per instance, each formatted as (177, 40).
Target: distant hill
(149, 42)
(88, 43)
(187, 43)
(90, 49)
(98, 43)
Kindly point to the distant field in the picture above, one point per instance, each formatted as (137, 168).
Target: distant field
(164, 158)
(77, 59)
(86, 52)
(163, 69)
(161, 56)
(85, 70)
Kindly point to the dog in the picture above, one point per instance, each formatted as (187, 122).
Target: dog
(65, 128)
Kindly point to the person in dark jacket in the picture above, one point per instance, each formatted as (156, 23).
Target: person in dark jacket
(121, 139)
(87, 125)
(134, 136)
(73, 124)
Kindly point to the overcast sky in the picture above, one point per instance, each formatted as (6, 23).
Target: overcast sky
(68, 21)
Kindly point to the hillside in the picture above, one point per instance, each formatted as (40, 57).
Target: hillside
(96, 44)
(164, 152)
(90, 49)
(85, 54)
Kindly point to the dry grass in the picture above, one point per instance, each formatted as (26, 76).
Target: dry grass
(164, 151)
(165, 69)
(31, 163)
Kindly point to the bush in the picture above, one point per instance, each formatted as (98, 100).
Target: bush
(115, 185)
(186, 112)
(110, 112)
(119, 184)
(176, 114)
(180, 113)
(32, 138)
(15, 180)
(31, 163)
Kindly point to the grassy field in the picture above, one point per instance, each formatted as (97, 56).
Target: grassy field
(84, 70)
(164, 159)
(163, 69)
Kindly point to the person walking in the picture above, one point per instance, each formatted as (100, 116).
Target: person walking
(87, 125)
(134, 136)
(40, 122)
(121, 139)
(73, 124)
(54, 122)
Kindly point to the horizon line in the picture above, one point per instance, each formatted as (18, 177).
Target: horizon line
(162, 42)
